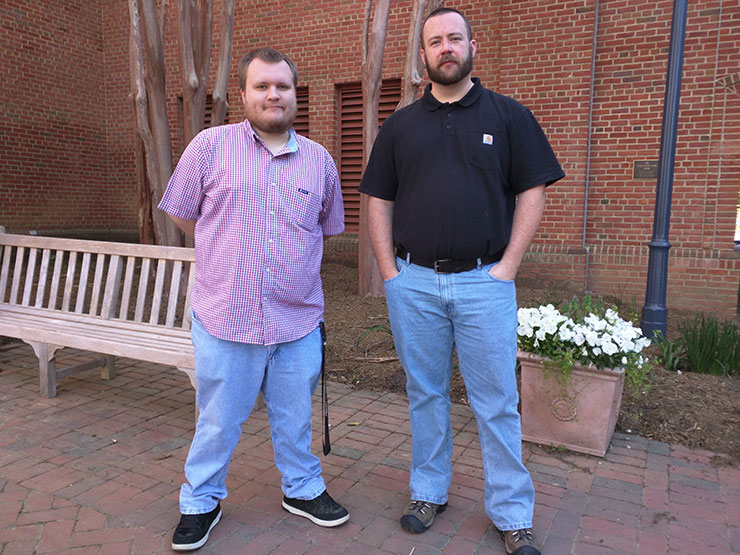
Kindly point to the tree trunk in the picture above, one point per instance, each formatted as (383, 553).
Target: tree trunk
(412, 73)
(195, 18)
(154, 225)
(220, 102)
(370, 280)
(166, 231)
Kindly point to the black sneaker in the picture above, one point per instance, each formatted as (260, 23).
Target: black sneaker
(520, 542)
(192, 532)
(322, 510)
(419, 515)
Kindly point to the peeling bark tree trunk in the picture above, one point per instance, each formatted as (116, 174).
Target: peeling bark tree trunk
(220, 103)
(195, 17)
(152, 126)
(413, 70)
(370, 280)
(153, 144)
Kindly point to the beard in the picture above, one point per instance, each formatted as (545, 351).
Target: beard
(461, 70)
(272, 125)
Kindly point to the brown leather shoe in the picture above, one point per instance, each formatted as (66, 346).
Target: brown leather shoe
(520, 542)
(419, 515)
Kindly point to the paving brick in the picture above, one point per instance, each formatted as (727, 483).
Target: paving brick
(55, 536)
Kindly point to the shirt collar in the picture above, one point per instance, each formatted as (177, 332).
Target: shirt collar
(290, 146)
(431, 103)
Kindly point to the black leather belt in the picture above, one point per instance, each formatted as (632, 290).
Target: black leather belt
(447, 265)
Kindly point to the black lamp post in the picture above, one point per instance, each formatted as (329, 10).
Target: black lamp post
(654, 311)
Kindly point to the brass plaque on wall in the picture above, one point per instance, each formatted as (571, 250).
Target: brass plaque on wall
(645, 169)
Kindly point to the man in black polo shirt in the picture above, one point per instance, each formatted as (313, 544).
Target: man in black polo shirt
(456, 184)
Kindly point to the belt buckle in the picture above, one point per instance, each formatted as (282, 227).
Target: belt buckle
(438, 266)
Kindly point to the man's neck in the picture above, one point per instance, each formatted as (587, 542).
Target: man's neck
(273, 141)
(454, 92)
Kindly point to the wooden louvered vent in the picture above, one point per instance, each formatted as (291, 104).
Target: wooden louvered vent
(300, 125)
(350, 141)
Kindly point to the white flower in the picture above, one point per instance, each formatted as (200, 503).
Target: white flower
(609, 347)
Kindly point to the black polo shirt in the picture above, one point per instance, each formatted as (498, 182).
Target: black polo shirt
(454, 171)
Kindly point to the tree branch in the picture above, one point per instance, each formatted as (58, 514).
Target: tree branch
(412, 71)
(366, 28)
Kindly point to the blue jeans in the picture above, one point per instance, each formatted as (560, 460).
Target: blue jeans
(230, 376)
(431, 314)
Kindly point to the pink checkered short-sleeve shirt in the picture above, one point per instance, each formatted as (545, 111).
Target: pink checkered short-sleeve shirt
(260, 223)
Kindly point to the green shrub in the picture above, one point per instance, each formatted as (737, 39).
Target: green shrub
(671, 352)
(711, 348)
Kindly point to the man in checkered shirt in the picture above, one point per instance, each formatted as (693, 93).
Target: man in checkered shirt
(259, 199)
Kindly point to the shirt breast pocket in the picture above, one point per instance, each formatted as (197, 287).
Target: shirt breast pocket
(484, 147)
(302, 205)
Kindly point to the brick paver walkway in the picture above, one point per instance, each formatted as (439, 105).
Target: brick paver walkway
(97, 470)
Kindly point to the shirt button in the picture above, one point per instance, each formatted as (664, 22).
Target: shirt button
(267, 269)
(449, 115)
(272, 212)
(449, 127)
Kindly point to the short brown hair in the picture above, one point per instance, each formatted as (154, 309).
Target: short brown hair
(269, 55)
(442, 11)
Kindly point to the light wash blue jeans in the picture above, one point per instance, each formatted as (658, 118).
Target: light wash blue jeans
(430, 315)
(230, 375)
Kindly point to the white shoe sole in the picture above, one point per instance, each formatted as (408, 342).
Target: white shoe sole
(317, 521)
(198, 544)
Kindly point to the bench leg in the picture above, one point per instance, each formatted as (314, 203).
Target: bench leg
(108, 371)
(47, 367)
(47, 373)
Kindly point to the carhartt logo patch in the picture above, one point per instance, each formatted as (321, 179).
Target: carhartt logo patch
(487, 139)
(302, 191)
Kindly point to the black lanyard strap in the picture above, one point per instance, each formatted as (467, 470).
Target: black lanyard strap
(324, 396)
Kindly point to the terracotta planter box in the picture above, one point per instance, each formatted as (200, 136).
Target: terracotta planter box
(583, 419)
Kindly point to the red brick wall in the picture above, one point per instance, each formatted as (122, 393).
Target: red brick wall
(53, 124)
(537, 51)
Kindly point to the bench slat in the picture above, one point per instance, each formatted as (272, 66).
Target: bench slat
(112, 287)
(117, 347)
(109, 247)
(127, 282)
(22, 314)
(7, 251)
(69, 281)
(30, 274)
(20, 256)
(157, 296)
(58, 258)
(82, 284)
(132, 338)
(97, 283)
(187, 315)
(174, 297)
(141, 296)
(43, 274)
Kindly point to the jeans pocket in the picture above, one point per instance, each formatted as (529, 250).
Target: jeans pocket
(401, 267)
(487, 271)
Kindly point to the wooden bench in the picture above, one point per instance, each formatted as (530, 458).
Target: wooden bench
(116, 299)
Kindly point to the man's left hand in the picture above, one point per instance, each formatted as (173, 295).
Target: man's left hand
(503, 272)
